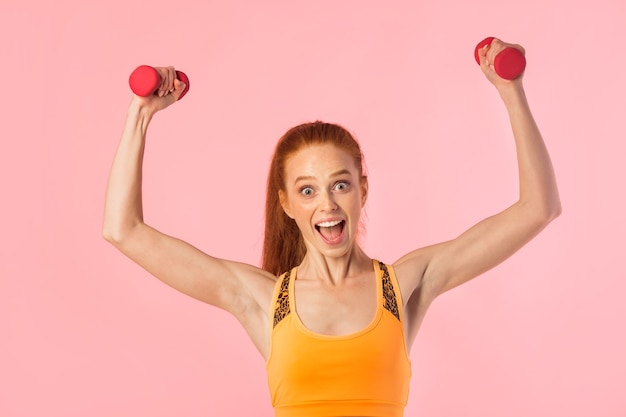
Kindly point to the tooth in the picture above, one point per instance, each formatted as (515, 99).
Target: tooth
(329, 224)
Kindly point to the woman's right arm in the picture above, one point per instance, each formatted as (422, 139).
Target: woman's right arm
(238, 288)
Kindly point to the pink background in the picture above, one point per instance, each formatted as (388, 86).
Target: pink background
(85, 332)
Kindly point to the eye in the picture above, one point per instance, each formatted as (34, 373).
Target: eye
(306, 191)
(342, 186)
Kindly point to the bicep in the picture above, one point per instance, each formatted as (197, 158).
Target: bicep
(482, 247)
(215, 281)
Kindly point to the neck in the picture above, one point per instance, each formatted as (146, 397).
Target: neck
(334, 270)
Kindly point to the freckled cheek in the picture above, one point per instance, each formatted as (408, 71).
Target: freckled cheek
(350, 203)
(302, 213)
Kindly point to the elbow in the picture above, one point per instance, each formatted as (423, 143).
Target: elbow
(109, 236)
(553, 209)
(557, 210)
(540, 215)
(122, 234)
(549, 212)
(114, 235)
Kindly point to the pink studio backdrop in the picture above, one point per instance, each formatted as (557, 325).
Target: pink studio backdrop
(85, 332)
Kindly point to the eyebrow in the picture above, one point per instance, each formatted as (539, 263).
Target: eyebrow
(334, 174)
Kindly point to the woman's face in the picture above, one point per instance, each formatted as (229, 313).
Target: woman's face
(324, 194)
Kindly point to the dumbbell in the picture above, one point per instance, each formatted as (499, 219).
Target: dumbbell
(509, 63)
(145, 80)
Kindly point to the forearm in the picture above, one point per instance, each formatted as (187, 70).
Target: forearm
(123, 205)
(538, 189)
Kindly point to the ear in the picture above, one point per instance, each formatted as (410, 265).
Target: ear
(364, 190)
(284, 202)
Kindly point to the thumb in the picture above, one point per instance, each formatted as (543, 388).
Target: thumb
(180, 89)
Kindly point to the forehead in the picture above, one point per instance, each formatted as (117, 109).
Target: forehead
(319, 161)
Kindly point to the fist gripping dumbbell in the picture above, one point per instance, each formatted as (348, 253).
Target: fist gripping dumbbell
(145, 80)
(508, 64)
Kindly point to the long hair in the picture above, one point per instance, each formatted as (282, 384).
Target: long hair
(283, 245)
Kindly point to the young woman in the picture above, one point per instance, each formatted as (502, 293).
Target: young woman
(334, 325)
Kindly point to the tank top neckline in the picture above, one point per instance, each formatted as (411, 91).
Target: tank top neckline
(372, 324)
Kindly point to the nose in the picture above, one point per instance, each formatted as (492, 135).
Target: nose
(328, 202)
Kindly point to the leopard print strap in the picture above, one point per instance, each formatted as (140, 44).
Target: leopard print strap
(389, 294)
(281, 309)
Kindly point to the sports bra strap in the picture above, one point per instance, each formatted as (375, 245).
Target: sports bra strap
(282, 307)
(389, 293)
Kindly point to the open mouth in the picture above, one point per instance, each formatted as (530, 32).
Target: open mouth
(331, 231)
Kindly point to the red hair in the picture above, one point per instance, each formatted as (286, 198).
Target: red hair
(283, 246)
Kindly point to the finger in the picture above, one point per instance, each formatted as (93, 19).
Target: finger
(495, 48)
(520, 48)
(163, 73)
(498, 46)
(166, 82)
(171, 79)
(483, 59)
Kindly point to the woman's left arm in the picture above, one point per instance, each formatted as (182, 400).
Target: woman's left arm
(491, 241)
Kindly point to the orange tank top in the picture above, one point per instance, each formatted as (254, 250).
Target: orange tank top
(366, 373)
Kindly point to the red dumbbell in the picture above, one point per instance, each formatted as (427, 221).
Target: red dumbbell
(509, 63)
(145, 80)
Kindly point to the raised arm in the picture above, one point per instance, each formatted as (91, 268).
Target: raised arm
(436, 269)
(243, 290)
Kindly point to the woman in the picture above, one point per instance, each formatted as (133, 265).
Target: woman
(342, 347)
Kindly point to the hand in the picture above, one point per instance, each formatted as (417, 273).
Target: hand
(168, 92)
(487, 56)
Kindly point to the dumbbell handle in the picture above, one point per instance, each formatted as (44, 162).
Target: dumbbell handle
(145, 80)
(508, 63)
